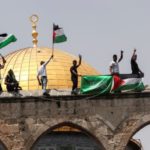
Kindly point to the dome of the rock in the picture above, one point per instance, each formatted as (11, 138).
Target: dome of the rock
(25, 64)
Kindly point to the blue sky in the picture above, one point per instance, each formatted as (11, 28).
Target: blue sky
(97, 29)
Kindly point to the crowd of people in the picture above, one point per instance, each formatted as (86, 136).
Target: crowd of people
(12, 85)
(114, 70)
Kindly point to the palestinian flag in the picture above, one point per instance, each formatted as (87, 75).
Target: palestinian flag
(131, 84)
(105, 84)
(6, 39)
(58, 34)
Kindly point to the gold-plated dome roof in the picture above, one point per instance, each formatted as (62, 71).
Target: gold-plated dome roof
(25, 64)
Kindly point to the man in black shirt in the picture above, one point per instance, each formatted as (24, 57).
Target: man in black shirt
(74, 74)
(134, 66)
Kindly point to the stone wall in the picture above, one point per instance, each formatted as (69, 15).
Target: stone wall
(111, 120)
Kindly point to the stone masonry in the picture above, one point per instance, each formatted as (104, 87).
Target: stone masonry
(111, 119)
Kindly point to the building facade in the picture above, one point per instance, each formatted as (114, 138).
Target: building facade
(104, 122)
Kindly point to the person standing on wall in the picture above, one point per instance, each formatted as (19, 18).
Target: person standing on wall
(74, 74)
(134, 66)
(114, 65)
(114, 70)
(42, 76)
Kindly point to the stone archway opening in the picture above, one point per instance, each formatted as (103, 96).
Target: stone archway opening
(143, 134)
(140, 137)
(67, 136)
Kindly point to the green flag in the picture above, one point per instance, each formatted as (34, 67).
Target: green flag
(6, 39)
(101, 84)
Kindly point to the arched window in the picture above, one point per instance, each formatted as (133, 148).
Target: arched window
(67, 136)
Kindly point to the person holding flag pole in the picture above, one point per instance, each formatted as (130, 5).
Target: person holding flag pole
(42, 76)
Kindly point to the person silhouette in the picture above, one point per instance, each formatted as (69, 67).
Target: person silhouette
(134, 66)
(74, 74)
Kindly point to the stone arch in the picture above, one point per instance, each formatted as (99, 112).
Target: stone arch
(51, 125)
(129, 127)
(85, 131)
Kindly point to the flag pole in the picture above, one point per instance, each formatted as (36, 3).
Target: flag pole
(53, 41)
(52, 47)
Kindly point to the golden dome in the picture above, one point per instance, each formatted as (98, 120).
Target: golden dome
(25, 63)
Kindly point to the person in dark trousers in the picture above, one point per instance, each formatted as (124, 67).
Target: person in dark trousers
(114, 65)
(12, 84)
(74, 74)
(1, 67)
(42, 76)
(134, 66)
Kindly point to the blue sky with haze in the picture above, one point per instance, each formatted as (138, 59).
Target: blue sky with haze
(97, 29)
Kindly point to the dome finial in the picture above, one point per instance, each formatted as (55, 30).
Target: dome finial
(34, 19)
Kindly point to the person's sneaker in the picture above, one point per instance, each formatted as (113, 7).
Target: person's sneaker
(46, 94)
(16, 94)
(73, 93)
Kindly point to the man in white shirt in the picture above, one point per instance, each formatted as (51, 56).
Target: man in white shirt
(42, 76)
(114, 65)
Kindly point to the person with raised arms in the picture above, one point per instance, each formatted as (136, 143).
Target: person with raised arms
(114, 65)
(42, 76)
(134, 66)
(74, 74)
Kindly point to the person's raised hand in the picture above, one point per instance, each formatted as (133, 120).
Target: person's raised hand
(80, 56)
(134, 50)
(121, 51)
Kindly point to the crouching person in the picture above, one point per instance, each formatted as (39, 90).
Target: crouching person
(12, 84)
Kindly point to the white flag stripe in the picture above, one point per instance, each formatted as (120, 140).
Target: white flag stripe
(132, 81)
(59, 32)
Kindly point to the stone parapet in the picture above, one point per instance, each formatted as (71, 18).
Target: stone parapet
(110, 119)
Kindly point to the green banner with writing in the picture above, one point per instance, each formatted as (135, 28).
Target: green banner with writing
(101, 84)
